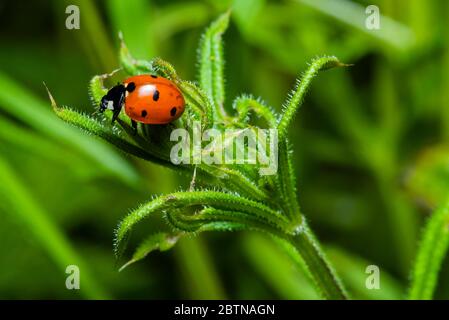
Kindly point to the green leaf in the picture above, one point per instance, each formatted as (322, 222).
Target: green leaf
(245, 103)
(219, 200)
(196, 225)
(234, 180)
(97, 89)
(211, 62)
(165, 69)
(159, 241)
(432, 249)
(209, 216)
(197, 99)
(297, 95)
(287, 182)
(94, 127)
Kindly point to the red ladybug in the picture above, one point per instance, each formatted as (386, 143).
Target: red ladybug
(148, 99)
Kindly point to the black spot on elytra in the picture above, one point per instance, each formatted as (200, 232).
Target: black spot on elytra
(144, 113)
(131, 87)
(173, 111)
(153, 76)
(156, 95)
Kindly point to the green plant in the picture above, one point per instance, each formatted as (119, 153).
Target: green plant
(428, 182)
(433, 248)
(232, 196)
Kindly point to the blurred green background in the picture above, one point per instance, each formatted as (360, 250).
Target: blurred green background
(369, 144)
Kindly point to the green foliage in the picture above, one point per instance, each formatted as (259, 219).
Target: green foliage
(159, 241)
(95, 127)
(244, 104)
(354, 147)
(297, 96)
(211, 63)
(327, 283)
(196, 260)
(428, 182)
(24, 209)
(289, 281)
(352, 268)
(238, 209)
(127, 17)
(432, 250)
(244, 200)
(353, 14)
(428, 179)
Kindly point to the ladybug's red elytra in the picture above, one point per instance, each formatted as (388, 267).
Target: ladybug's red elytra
(147, 99)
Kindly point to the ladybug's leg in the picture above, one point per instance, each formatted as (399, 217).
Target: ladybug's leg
(192, 182)
(118, 100)
(134, 125)
(115, 115)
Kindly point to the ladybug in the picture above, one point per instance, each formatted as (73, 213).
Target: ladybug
(148, 99)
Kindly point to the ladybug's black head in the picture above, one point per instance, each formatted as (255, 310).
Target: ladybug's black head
(114, 99)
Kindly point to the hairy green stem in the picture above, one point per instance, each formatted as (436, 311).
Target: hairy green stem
(297, 95)
(433, 248)
(211, 62)
(324, 276)
(287, 183)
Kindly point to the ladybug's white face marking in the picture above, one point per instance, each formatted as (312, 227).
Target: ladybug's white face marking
(110, 105)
